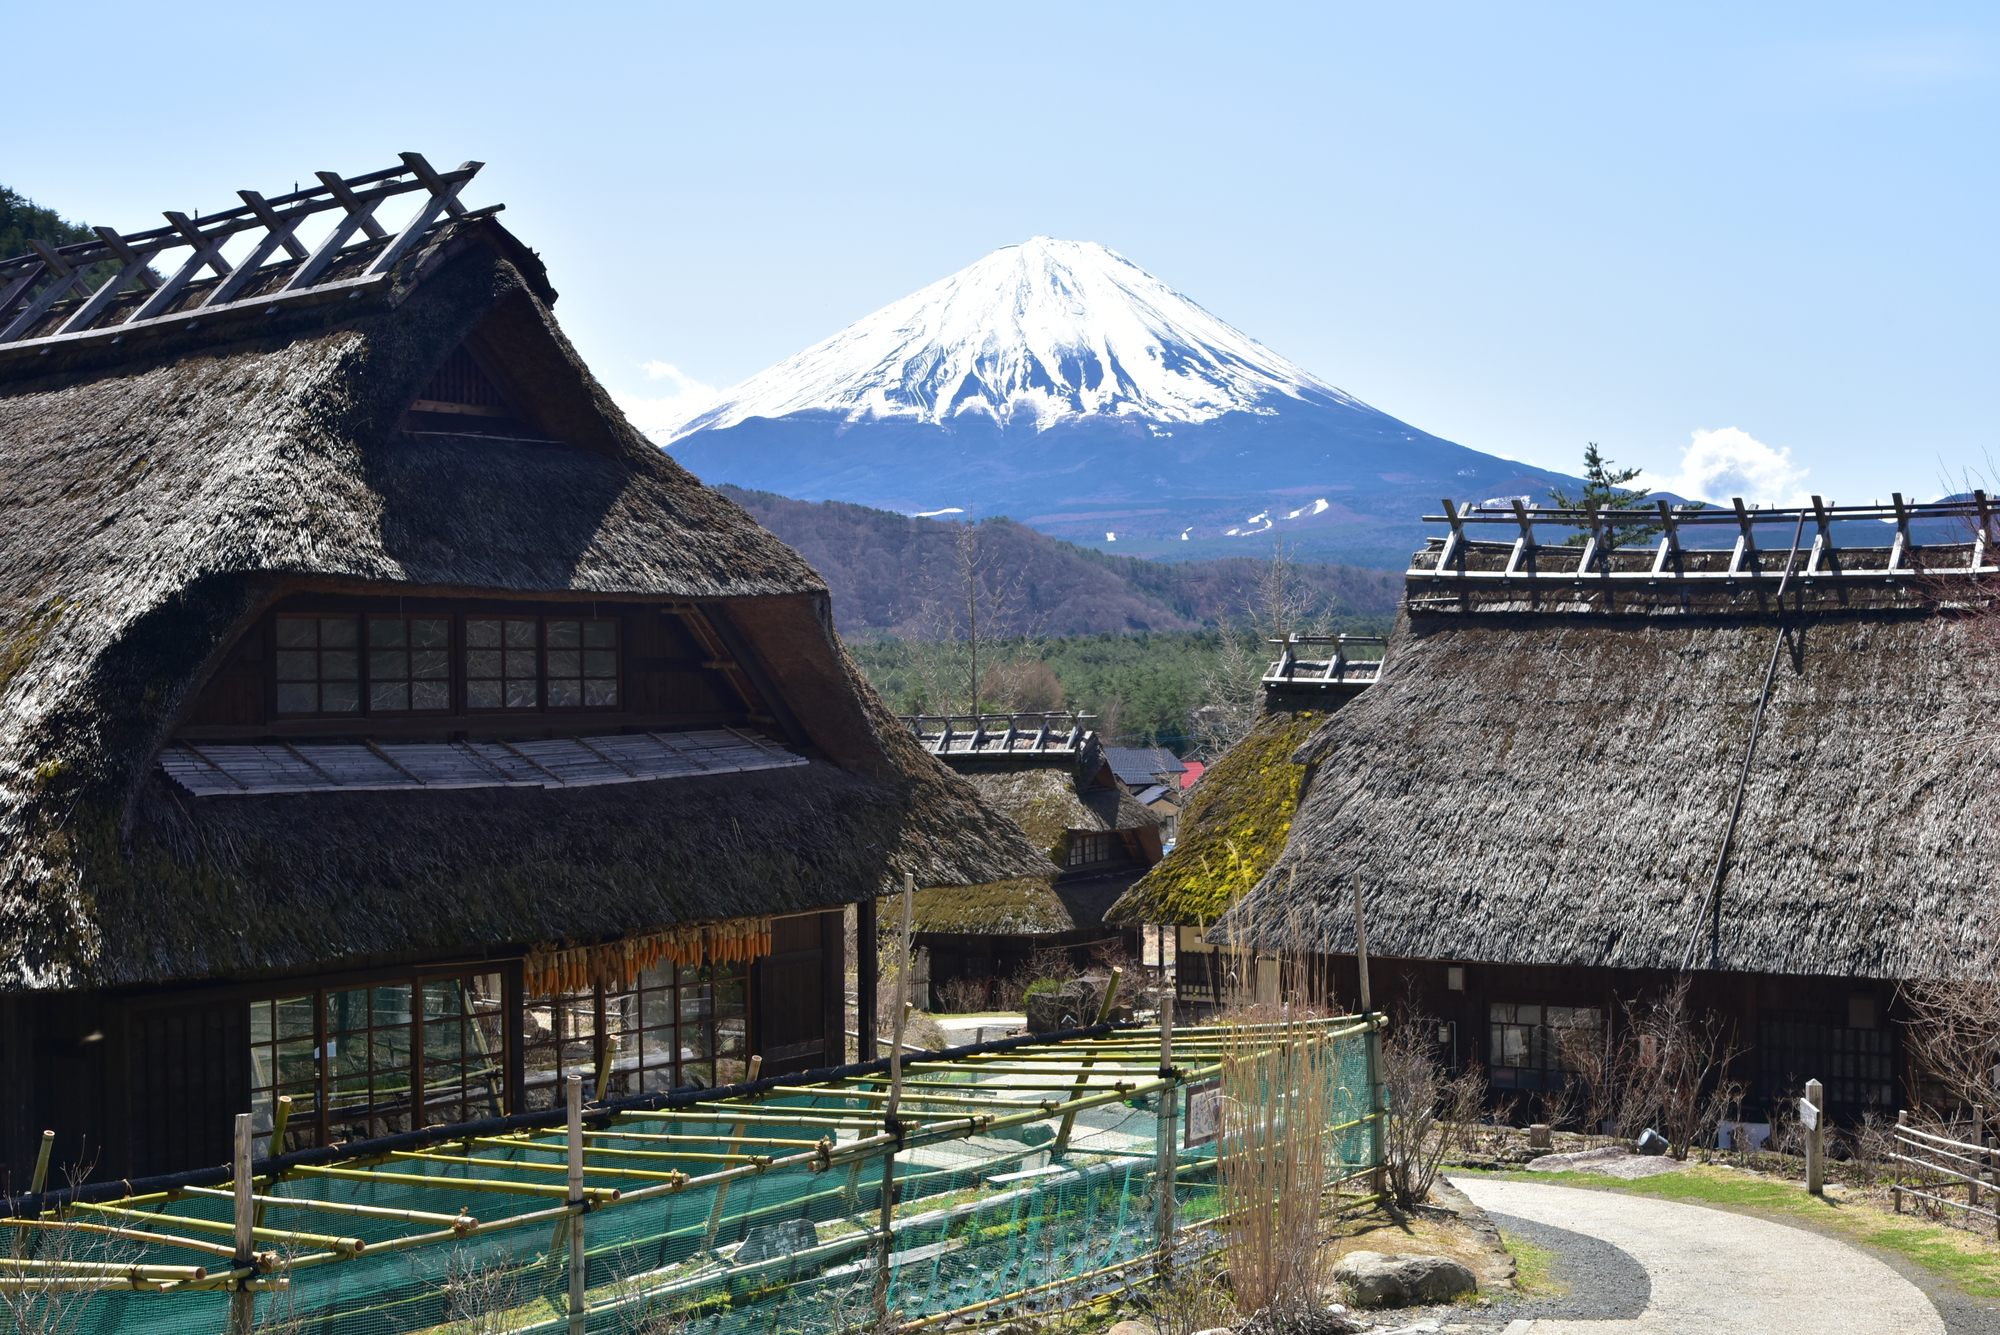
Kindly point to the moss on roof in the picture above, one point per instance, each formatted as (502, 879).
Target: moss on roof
(1027, 906)
(1234, 828)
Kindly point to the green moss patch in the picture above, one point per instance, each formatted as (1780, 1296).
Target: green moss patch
(1234, 827)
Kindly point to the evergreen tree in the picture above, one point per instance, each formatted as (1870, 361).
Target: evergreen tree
(1604, 487)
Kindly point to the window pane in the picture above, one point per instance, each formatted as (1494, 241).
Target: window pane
(392, 1004)
(427, 663)
(340, 697)
(482, 634)
(600, 663)
(295, 1017)
(431, 695)
(430, 633)
(520, 695)
(565, 662)
(342, 665)
(1528, 1014)
(297, 633)
(482, 663)
(298, 699)
(388, 665)
(389, 697)
(387, 632)
(260, 1022)
(482, 695)
(600, 693)
(297, 665)
(600, 634)
(521, 664)
(565, 694)
(520, 634)
(339, 632)
(565, 634)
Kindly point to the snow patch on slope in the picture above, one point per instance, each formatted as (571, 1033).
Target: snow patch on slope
(1038, 333)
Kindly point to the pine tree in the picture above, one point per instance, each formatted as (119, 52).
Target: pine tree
(1604, 487)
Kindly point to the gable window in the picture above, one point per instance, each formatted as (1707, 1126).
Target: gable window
(534, 662)
(319, 665)
(409, 664)
(1086, 847)
(500, 663)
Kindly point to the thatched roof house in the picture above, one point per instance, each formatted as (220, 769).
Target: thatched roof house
(1054, 779)
(1537, 794)
(346, 623)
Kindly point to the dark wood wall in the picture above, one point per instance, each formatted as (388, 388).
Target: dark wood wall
(798, 1022)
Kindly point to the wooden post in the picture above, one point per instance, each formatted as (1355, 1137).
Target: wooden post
(1110, 998)
(1978, 1137)
(242, 1299)
(576, 1261)
(867, 980)
(722, 1191)
(1372, 1041)
(891, 1123)
(1896, 1188)
(1816, 1139)
(1165, 1166)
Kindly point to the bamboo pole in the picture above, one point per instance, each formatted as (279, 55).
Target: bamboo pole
(243, 1302)
(890, 1122)
(1377, 1148)
(281, 1114)
(278, 1235)
(41, 1178)
(132, 1234)
(722, 1191)
(1104, 1005)
(339, 1207)
(596, 1195)
(602, 1151)
(576, 1199)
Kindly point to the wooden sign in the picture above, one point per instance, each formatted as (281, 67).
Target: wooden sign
(1808, 1115)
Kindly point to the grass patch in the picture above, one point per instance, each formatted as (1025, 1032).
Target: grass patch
(1967, 1260)
(1534, 1267)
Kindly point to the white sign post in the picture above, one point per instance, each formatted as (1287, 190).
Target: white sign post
(1809, 1118)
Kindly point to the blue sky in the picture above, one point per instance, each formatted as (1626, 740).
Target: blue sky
(1517, 227)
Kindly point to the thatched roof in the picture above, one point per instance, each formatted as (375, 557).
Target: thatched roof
(156, 495)
(1047, 803)
(1235, 823)
(1552, 786)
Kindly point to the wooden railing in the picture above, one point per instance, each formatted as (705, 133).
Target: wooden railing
(1935, 1165)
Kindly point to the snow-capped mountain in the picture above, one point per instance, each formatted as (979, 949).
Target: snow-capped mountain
(1061, 384)
(1034, 334)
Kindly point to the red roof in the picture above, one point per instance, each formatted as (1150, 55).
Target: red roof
(1194, 771)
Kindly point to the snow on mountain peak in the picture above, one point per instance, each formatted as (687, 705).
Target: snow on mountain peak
(1041, 332)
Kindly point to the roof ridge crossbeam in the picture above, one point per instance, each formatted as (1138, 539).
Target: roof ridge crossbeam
(59, 271)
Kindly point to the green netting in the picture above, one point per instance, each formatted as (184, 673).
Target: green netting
(986, 1206)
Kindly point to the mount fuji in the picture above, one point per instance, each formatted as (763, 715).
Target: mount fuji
(1060, 384)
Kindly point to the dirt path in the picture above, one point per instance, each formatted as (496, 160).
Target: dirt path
(1714, 1271)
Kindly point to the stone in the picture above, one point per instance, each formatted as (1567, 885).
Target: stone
(775, 1240)
(1216, 1330)
(1538, 1136)
(1377, 1279)
(1129, 1327)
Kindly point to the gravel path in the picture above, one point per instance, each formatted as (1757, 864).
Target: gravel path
(1715, 1272)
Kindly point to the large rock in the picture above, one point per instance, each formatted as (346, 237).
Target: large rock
(1379, 1280)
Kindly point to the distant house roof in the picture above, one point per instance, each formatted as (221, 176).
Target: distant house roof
(1195, 769)
(1145, 797)
(1136, 766)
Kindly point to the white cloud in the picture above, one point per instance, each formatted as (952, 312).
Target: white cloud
(1718, 465)
(659, 416)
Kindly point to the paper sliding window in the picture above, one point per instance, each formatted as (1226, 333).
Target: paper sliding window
(501, 663)
(583, 664)
(409, 665)
(319, 665)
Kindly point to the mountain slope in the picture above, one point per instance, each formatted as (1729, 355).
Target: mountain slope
(899, 574)
(1060, 384)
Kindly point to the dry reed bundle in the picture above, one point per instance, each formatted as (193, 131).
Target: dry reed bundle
(1274, 1164)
